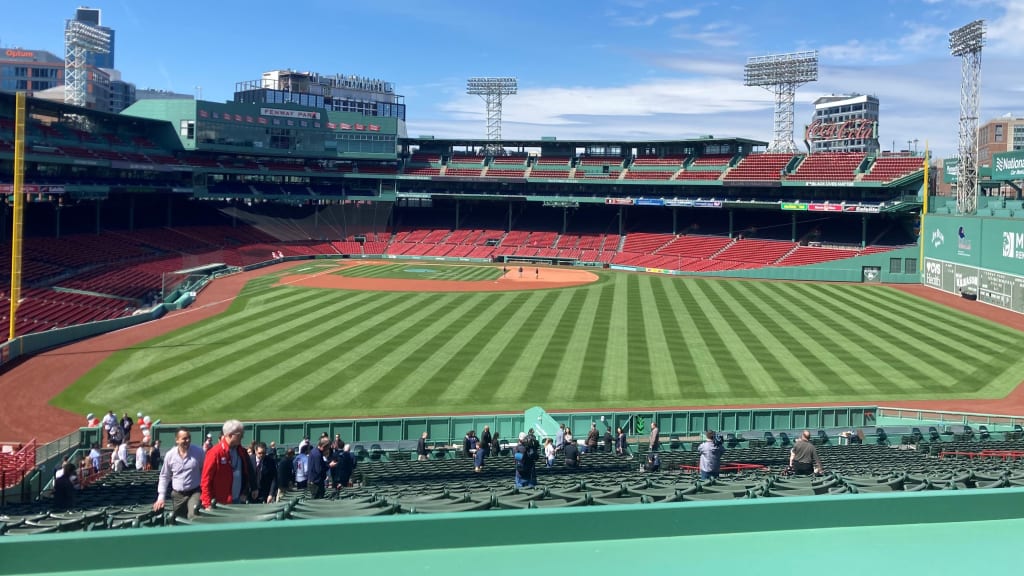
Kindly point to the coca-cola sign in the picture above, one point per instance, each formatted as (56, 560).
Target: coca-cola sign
(857, 129)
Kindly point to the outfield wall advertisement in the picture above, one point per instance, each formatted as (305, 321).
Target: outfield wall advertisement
(971, 255)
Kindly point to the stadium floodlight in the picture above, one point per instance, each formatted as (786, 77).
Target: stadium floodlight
(781, 74)
(492, 89)
(966, 42)
(80, 39)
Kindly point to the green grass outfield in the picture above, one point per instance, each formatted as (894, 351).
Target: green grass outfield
(626, 340)
(417, 271)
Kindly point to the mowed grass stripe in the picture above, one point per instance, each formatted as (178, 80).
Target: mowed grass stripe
(936, 319)
(664, 382)
(398, 381)
(638, 384)
(851, 335)
(829, 365)
(686, 373)
(511, 370)
(152, 366)
(615, 381)
(867, 368)
(303, 350)
(699, 340)
(982, 332)
(252, 361)
(392, 360)
(492, 345)
(874, 336)
(594, 356)
(553, 355)
(449, 385)
(765, 331)
(565, 388)
(754, 372)
(372, 336)
(523, 373)
(931, 351)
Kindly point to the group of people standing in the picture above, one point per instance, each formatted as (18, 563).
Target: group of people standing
(229, 473)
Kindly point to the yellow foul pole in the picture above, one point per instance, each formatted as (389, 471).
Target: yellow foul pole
(19, 204)
(924, 210)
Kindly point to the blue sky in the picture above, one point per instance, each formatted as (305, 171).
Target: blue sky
(630, 69)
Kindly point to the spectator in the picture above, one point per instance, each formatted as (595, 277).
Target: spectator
(549, 452)
(609, 441)
(655, 443)
(318, 468)
(91, 421)
(142, 456)
(421, 447)
(300, 467)
(592, 438)
(285, 473)
(571, 452)
(711, 451)
(560, 437)
(226, 473)
(803, 458)
(64, 487)
(478, 460)
(208, 443)
(264, 478)
(346, 466)
(525, 462)
(621, 447)
(94, 457)
(181, 473)
(126, 425)
(119, 457)
(485, 442)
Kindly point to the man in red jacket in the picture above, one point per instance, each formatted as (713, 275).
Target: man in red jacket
(226, 475)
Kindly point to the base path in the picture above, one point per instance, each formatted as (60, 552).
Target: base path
(27, 386)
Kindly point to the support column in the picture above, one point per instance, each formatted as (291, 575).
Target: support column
(170, 212)
(621, 222)
(457, 205)
(131, 213)
(863, 232)
(730, 223)
(565, 219)
(675, 220)
(56, 217)
(792, 233)
(509, 227)
(98, 228)
(316, 223)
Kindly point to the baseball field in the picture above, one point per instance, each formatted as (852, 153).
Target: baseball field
(322, 340)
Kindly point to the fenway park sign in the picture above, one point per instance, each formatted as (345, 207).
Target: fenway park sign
(858, 129)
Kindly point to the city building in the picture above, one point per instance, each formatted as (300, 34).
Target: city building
(338, 93)
(154, 94)
(1003, 134)
(30, 71)
(93, 17)
(844, 123)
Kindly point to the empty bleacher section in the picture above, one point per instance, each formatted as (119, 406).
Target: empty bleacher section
(760, 167)
(828, 166)
(887, 168)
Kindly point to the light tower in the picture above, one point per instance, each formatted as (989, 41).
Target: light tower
(966, 42)
(80, 39)
(781, 74)
(492, 90)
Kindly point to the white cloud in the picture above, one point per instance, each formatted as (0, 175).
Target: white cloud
(680, 14)
(714, 34)
(1004, 32)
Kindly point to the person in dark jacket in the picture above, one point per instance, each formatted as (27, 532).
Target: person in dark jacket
(285, 473)
(571, 453)
(421, 447)
(264, 485)
(485, 441)
(64, 488)
(346, 466)
(608, 440)
(318, 468)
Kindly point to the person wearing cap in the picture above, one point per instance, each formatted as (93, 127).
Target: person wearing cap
(140, 420)
(91, 421)
(181, 473)
(208, 443)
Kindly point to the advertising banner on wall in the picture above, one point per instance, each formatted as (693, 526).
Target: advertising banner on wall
(953, 239)
(1003, 241)
(1008, 165)
(949, 168)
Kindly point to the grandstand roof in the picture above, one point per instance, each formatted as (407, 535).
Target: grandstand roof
(52, 108)
(547, 142)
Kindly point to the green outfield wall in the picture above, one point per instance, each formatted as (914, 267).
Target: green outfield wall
(976, 256)
(451, 429)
